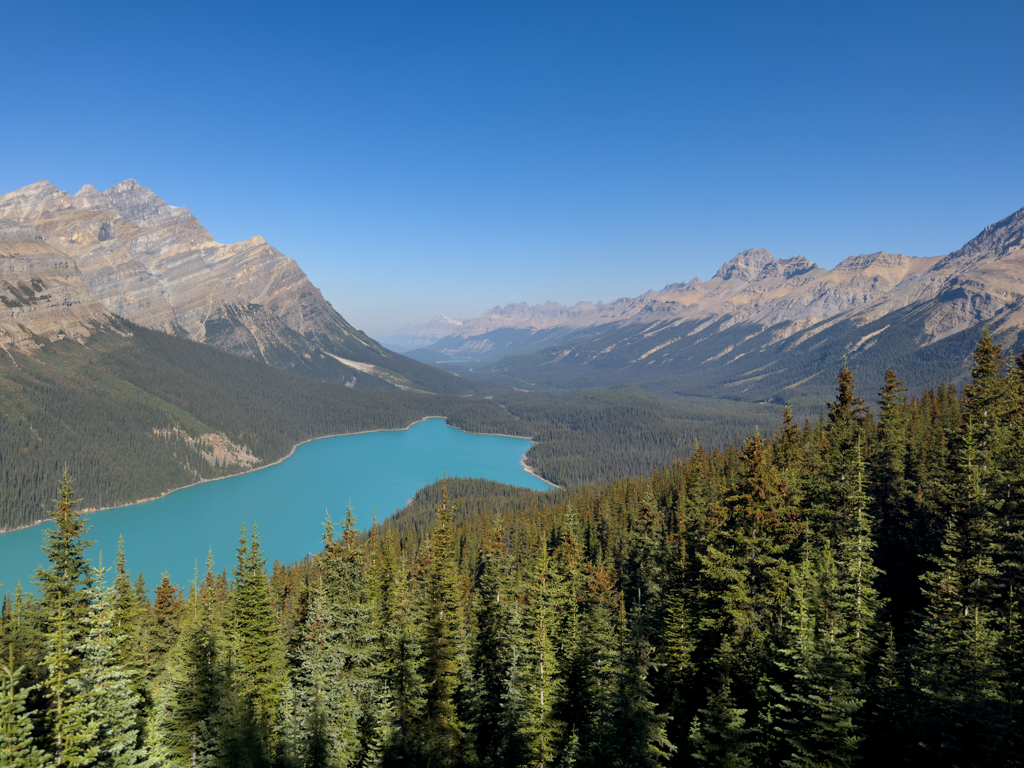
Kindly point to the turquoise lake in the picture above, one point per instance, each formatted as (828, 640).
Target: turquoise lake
(374, 471)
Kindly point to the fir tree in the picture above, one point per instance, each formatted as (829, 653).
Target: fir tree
(17, 745)
(401, 647)
(719, 735)
(642, 734)
(443, 729)
(541, 669)
(193, 706)
(107, 694)
(258, 656)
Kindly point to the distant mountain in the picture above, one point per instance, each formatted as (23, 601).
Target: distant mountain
(412, 337)
(154, 264)
(763, 328)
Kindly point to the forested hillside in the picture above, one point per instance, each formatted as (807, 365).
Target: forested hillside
(822, 595)
(128, 411)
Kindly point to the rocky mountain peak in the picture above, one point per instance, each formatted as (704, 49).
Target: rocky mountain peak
(746, 264)
(131, 200)
(866, 260)
(786, 268)
(33, 200)
(994, 240)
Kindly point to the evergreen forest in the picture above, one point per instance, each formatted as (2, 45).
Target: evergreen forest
(838, 591)
(125, 414)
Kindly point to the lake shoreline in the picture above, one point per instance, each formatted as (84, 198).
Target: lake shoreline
(291, 453)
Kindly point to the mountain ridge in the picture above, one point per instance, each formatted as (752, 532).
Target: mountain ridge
(155, 264)
(782, 310)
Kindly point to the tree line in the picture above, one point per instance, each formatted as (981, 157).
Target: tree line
(836, 591)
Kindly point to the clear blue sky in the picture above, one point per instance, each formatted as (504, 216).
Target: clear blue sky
(428, 157)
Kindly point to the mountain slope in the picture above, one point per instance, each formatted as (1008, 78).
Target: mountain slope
(42, 293)
(763, 328)
(154, 264)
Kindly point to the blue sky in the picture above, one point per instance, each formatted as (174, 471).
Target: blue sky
(429, 157)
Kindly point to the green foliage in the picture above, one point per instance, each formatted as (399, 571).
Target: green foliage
(759, 629)
(443, 728)
(17, 745)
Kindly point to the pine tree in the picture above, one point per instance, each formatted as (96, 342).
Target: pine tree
(719, 735)
(192, 710)
(401, 647)
(107, 695)
(542, 692)
(17, 746)
(642, 733)
(443, 728)
(257, 654)
(962, 701)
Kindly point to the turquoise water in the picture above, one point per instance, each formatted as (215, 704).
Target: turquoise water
(374, 471)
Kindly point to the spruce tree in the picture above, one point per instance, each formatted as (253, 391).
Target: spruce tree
(257, 653)
(443, 728)
(192, 706)
(17, 745)
(107, 694)
(73, 733)
(963, 712)
(719, 734)
(834, 476)
(642, 730)
(127, 622)
(64, 582)
(745, 576)
(497, 644)
(813, 719)
(402, 647)
(542, 675)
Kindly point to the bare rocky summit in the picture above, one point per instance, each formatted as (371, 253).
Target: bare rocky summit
(156, 265)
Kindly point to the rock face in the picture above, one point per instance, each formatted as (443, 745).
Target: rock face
(43, 296)
(155, 264)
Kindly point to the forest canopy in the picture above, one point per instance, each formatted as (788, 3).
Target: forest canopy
(826, 593)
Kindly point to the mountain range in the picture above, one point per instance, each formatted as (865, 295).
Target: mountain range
(68, 258)
(762, 328)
